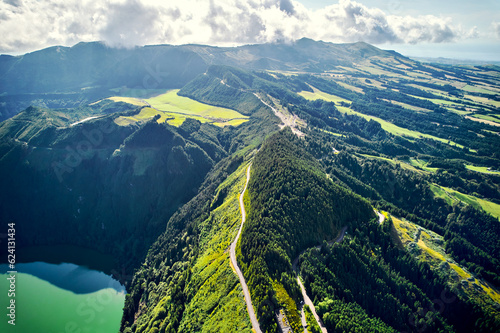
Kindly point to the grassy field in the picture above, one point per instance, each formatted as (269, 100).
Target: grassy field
(440, 193)
(453, 104)
(402, 164)
(174, 109)
(375, 70)
(408, 106)
(489, 118)
(440, 94)
(318, 94)
(351, 87)
(172, 102)
(437, 101)
(483, 100)
(147, 113)
(371, 82)
(484, 121)
(422, 164)
(332, 133)
(419, 75)
(457, 111)
(387, 126)
(481, 169)
(428, 247)
(231, 122)
(492, 132)
(129, 100)
(452, 196)
(396, 130)
(478, 89)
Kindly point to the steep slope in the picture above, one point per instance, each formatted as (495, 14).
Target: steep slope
(234, 262)
(194, 287)
(187, 283)
(302, 55)
(76, 76)
(86, 65)
(292, 206)
(91, 184)
(355, 283)
(417, 141)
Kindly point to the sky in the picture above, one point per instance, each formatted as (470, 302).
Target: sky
(460, 29)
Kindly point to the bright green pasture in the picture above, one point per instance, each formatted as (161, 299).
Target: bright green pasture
(387, 126)
(174, 109)
(451, 196)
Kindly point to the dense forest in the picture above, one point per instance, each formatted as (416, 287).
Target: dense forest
(366, 281)
(293, 206)
(374, 182)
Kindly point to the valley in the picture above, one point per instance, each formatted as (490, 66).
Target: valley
(340, 187)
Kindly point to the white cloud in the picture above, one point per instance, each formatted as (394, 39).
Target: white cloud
(496, 29)
(419, 29)
(352, 21)
(32, 24)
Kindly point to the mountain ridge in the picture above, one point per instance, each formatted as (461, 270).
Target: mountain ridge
(102, 56)
(62, 77)
(152, 176)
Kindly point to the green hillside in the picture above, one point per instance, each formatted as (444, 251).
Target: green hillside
(145, 162)
(93, 179)
(199, 292)
(293, 206)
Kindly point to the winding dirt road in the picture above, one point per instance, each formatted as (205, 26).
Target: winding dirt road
(308, 301)
(286, 120)
(83, 120)
(306, 298)
(246, 293)
(381, 217)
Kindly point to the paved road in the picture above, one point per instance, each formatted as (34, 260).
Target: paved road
(340, 238)
(248, 300)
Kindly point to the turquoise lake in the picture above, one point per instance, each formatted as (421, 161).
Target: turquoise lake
(61, 298)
